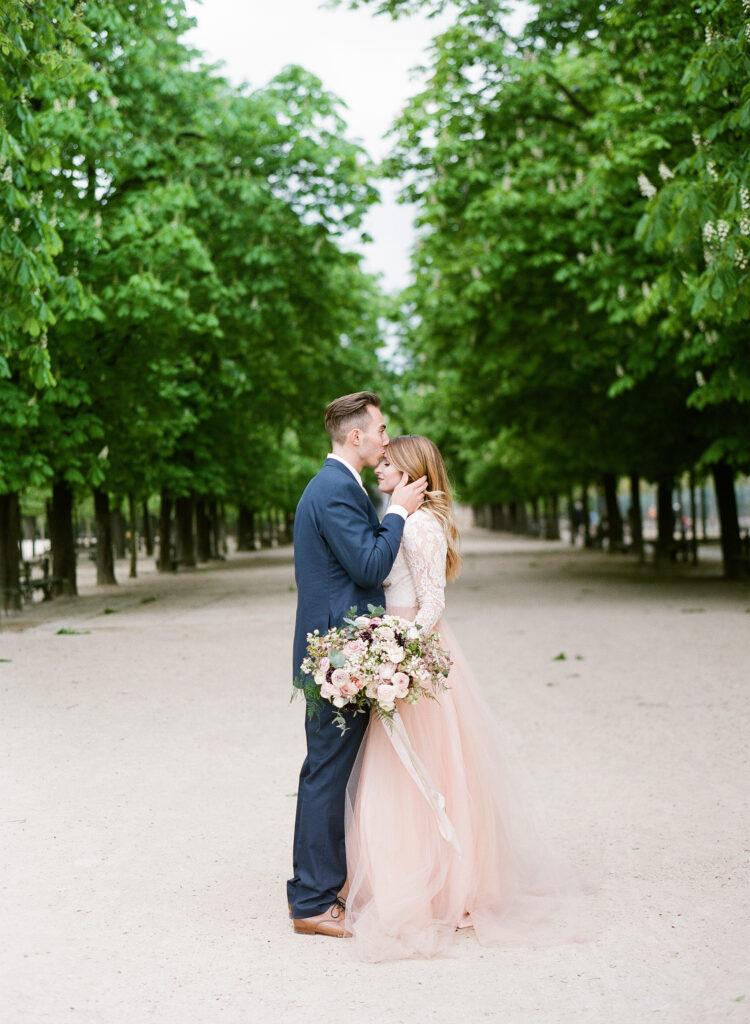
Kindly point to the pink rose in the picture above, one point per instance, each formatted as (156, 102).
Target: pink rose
(401, 682)
(339, 678)
(325, 664)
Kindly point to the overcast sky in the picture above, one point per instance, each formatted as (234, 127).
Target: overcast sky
(366, 60)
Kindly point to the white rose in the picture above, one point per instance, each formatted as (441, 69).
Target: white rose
(395, 652)
(387, 695)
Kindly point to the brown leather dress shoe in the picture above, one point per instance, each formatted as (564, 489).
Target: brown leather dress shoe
(330, 922)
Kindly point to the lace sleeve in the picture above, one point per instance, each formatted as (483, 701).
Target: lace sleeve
(424, 546)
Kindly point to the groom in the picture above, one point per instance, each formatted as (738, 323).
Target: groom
(342, 554)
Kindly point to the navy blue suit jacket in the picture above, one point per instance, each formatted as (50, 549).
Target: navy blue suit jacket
(342, 553)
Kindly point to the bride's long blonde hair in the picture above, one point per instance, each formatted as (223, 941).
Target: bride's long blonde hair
(418, 456)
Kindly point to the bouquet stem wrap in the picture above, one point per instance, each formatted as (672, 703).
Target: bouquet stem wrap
(410, 760)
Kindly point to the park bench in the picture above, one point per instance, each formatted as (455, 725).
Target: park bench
(29, 583)
(744, 558)
(174, 561)
(678, 546)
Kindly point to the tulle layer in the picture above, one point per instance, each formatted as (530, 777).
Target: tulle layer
(408, 889)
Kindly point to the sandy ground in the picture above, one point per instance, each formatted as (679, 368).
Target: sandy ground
(149, 768)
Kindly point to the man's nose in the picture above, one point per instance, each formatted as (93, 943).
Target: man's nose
(386, 439)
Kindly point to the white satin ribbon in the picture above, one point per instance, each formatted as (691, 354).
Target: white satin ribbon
(408, 757)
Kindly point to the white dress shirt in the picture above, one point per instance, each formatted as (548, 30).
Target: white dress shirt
(398, 509)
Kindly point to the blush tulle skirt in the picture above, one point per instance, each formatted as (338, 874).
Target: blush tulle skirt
(408, 888)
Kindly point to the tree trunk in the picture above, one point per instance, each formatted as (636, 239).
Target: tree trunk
(118, 531)
(10, 590)
(693, 523)
(148, 533)
(551, 517)
(245, 529)
(183, 509)
(62, 538)
(202, 531)
(266, 529)
(224, 543)
(572, 518)
(614, 518)
(534, 527)
(105, 562)
(635, 517)
(133, 537)
(214, 516)
(726, 501)
(522, 518)
(664, 515)
(586, 513)
(28, 532)
(513, 516)
(164, 562)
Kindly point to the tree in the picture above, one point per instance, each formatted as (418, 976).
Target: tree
(202, 276)
(545, 310)
(39, 67)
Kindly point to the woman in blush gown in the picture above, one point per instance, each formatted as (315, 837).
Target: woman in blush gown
(409, 889)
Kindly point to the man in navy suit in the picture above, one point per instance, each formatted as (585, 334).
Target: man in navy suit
(342, 554)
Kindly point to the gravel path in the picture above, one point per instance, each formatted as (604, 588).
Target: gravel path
(150, 760)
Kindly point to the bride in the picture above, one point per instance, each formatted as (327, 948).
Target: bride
(409, 889)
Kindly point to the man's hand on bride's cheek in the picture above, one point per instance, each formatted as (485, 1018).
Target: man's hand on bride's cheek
(409, 496)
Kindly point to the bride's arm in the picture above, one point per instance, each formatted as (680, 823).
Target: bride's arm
(425, 548)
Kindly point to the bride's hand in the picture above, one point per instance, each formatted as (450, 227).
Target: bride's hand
(409, 496)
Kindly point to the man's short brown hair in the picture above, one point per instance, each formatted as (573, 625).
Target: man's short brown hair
(347, 412)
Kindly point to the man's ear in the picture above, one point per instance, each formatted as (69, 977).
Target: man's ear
(354, 436)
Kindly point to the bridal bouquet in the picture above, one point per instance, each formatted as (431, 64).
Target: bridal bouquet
(371, 662)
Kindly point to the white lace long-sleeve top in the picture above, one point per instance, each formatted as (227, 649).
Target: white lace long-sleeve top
(417, 579)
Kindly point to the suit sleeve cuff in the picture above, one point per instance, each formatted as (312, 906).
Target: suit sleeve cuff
(399, 510)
